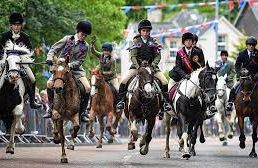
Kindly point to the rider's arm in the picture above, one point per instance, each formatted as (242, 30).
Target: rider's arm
(112, 70)
(157, 54)
(133, 56)
(232, 72)
(57, 47)
(94, 51)
(179, 66)
(238, 64)
(202, 59)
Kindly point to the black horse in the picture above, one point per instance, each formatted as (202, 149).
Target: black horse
(142, 104)
(190, 102)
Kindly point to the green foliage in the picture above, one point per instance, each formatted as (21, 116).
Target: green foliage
(239, 47)
(47, 21)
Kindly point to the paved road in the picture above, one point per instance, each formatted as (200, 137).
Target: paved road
(209, 155)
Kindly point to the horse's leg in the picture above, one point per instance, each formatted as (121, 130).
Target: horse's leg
(101, 127)
(193, 130)
(231, 122)
(61, 134)
(91, 130)
(117, 119)
(76, 127)
(131, 143)
(109, 128)
(242, 135)
(10, 145)
(184, 138)
(254, 137)
(55, 117)
(202, 138)
(167, 120)
(17, 112)
(147, 137)
(221, 129)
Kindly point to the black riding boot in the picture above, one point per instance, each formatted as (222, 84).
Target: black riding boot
(166, 106)
(31, 93)
(231, 99)
(121, 96)
(84, 104)
(50, 94)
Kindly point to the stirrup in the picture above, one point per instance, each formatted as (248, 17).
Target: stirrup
(120, 105)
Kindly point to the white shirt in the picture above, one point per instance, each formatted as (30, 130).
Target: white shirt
(144, 40)
(249, 53)
(188, 52)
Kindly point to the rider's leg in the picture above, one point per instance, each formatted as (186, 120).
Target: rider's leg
(115, 84)
(123, 89)
(231, 99)
(85, 99)
(50, 94)
(164, 82)
(31, 90)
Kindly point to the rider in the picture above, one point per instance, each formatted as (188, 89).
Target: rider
(144, 48)
(248, 59)
(76, 48)
(225, 66)
(107, 64)
(18, 37)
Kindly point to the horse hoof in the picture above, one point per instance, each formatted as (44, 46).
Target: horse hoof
(252, 155)
(144, 150)
(225, 144)
(167, 155)
(242, 145)
(10, 150)
(202, 140)
(64, 160)
(186, 155)
(56, 141)
(20, 131)
(99, 146)
(131, 146)
(110, 141)
(70, 147)
(230, 136)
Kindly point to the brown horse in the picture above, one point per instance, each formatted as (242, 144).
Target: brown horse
(102, 104)
(246, 106)
(66, 104)
(143, 103)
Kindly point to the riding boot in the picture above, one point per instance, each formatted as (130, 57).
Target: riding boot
(166, 105)
(83, 111)
(231, 99)
(121, 96)
(31, 93)
(50, 94)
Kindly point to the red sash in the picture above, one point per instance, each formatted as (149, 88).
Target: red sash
(185, 60)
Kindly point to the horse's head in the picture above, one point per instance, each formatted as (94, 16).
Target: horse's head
(97, 79)
(60, 73)
(221, 86)
(146, 79)
(13, 69)
(247, 84)
(208, 81)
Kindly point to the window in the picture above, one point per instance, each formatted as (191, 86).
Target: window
(173, 49)
(222, 43)
(173, 44)
(172, 53)
(221, 38)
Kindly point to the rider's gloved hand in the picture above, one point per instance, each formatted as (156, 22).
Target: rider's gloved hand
(49, 62)
(187, 76)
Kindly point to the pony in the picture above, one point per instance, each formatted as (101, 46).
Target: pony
(13, 89)
(102, 104)
(188, 103)
(143, 103)
(246, 106)
(221, 117)
(66, 104)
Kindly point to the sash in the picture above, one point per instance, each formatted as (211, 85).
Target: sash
(185, 60)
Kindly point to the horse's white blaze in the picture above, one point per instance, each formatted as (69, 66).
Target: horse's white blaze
(93, 87)
(60, 68)
(12, 60)
(147, 87)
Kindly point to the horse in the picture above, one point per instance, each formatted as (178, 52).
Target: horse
(143, 103)
(246, 106)
(221, 118)
(102, 104)
(66, 104)
(188, 104)
(13, 90)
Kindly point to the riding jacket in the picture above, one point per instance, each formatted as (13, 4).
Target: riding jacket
(228, 68)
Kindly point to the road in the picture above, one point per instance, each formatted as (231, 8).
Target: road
(211, 154)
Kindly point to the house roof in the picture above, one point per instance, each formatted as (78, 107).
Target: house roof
(253, 7)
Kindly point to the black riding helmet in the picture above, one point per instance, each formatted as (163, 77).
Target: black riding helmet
(107, 46)
(186, 36)
(84, 26)
(144, 24)
(251, 41)
(15, 17)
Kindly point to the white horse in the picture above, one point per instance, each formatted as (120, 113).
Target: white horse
(12, 90)
(225, 123)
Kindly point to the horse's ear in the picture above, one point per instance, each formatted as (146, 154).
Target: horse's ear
(207, 65)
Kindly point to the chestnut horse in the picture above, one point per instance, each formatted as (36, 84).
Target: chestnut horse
(66, 104)
(102, 104)
(246, 106)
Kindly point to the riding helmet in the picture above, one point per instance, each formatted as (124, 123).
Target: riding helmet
(186, 36)
(144, 24)
(251, 41)
(107, 46)
(84, 26)
(15, 17)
